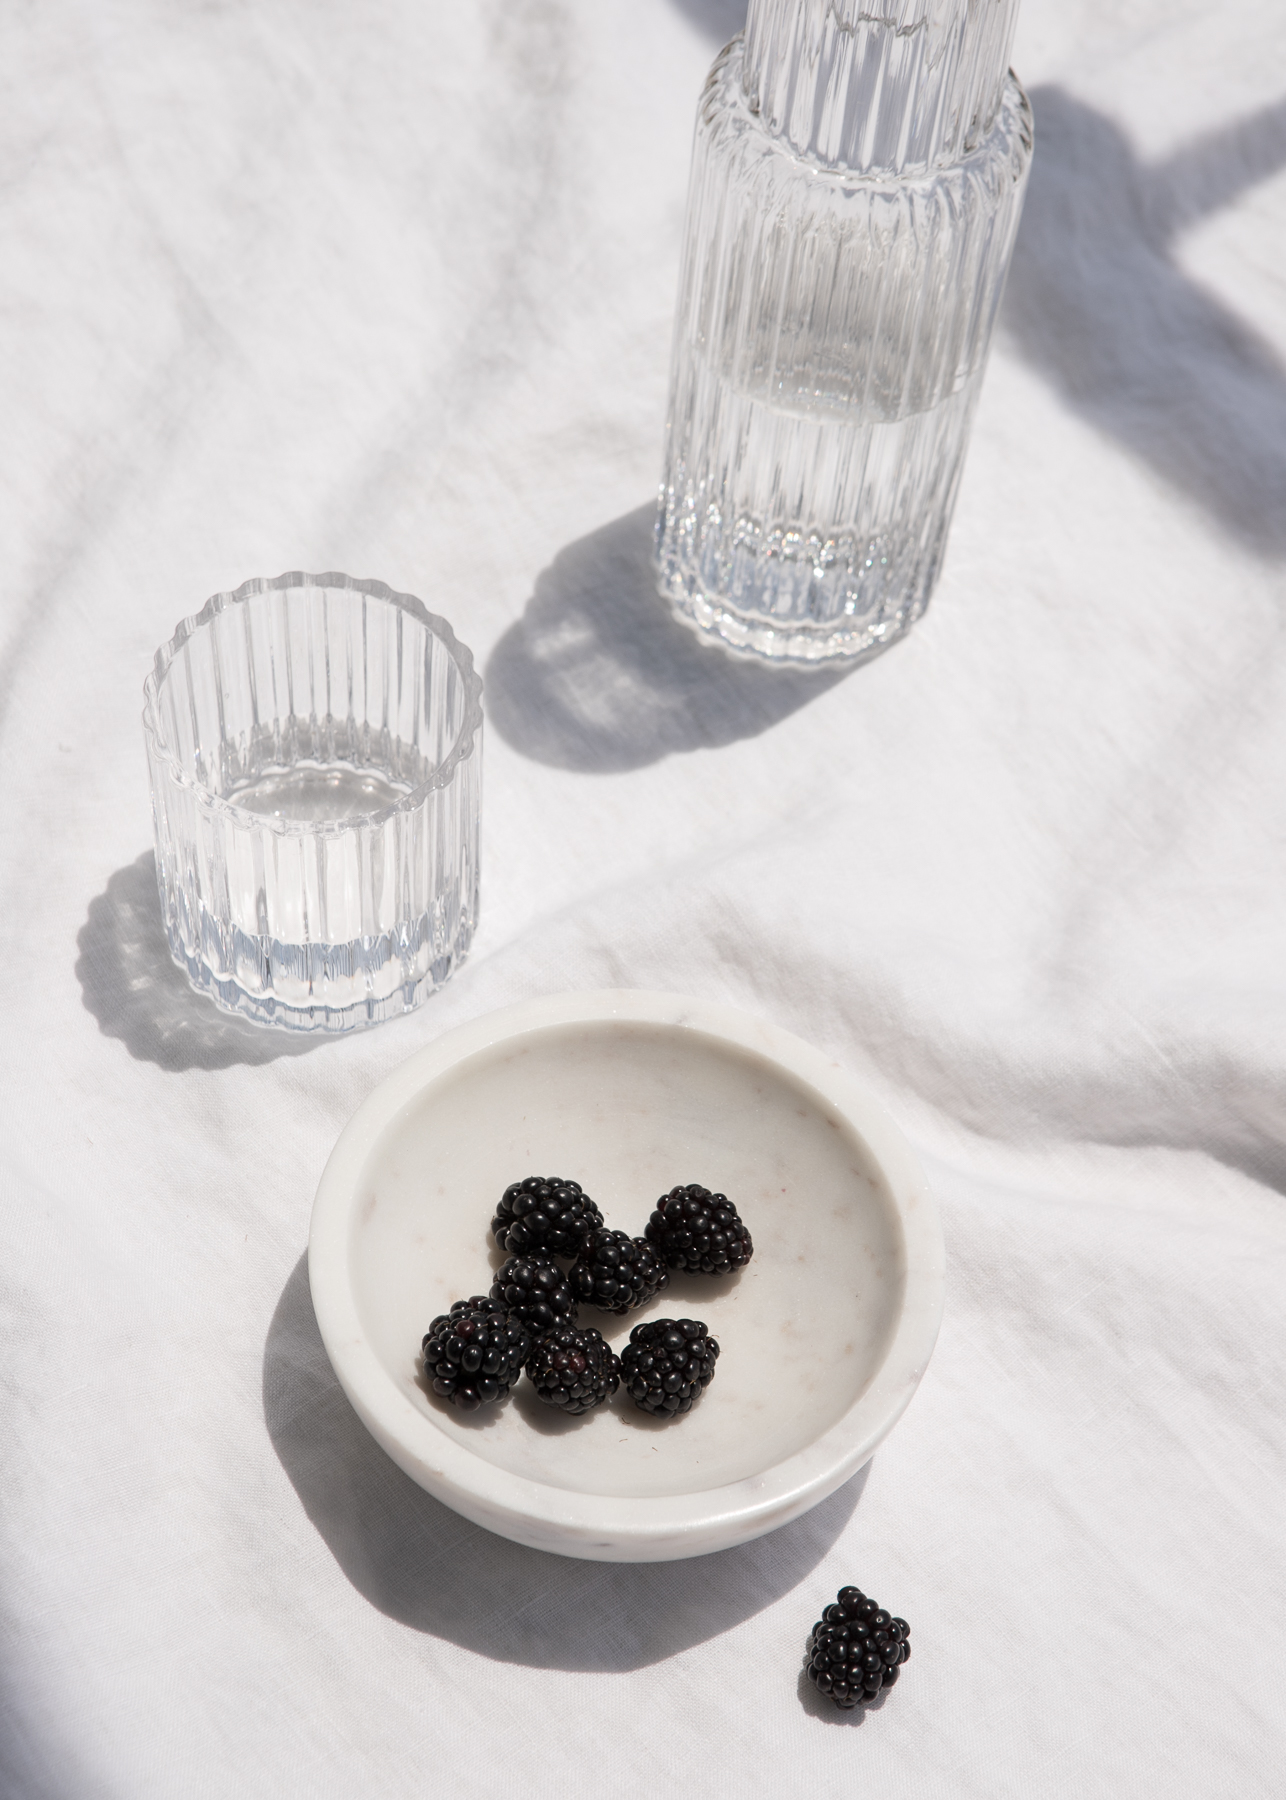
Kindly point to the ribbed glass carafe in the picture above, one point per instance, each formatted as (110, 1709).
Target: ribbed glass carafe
(856, 185)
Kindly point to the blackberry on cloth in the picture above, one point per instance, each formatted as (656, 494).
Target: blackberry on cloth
(574, 1369)
(617, 1272)
(475, 1353)
(856, 1648)
(666, 1365)
(699, 1232)
(546, 1214)
(533, 1286)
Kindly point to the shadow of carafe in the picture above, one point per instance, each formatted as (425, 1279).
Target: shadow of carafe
(599, 676)
(1099, 302)
(420, 1563)
(721, 20)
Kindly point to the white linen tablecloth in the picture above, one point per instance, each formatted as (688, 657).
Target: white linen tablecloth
(389, 289)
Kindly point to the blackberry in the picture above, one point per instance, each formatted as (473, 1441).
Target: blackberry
(534, 1287)
(574, 1370)
(475, 1353)
(699, 1232)
(666, 1364)
(856, 1649)
(617, 1272)
(550, 1215)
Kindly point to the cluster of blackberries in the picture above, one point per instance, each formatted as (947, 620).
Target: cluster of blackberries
(856, 1648)
(475, 1353)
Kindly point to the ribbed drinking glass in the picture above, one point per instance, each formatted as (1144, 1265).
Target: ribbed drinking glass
(857, 179)
(315, 748)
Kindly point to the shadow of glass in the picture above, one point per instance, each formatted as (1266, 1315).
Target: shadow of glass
(1096, 302)
(428, 1568)
(721, 20)
(131, 985)
(598, 675)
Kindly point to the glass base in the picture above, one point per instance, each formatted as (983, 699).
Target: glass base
(333, 988)
(788, 643)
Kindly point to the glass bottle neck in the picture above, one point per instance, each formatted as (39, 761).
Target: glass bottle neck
(878, 86)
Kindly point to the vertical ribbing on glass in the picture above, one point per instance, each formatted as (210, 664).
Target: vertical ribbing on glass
(315, 746)
(830, 338)
(893, 88)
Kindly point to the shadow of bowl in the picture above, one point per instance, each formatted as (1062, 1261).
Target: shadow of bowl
(428, 1568)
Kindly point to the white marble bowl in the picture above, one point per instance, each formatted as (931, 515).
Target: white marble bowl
(824, 1335)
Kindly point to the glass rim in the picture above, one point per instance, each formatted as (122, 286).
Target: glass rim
(438, 627)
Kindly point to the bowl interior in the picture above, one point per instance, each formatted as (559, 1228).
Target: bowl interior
(630, 1109)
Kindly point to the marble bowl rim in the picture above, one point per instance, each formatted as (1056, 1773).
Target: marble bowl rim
(606, 1527)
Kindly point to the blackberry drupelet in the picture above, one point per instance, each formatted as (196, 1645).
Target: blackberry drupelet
(475, 1353)
(699, 1232)
(574, 1369)
(552, 1215)
(856, 1649)
(617, 1272)
(533, 1286)
(666, 1365)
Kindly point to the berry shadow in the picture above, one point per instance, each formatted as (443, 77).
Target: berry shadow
(542, 1417)
(624, 1410)
(690, 1292)
(423, 1565)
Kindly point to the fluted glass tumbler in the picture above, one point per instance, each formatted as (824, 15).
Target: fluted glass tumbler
(857, 180)
(315, 749)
